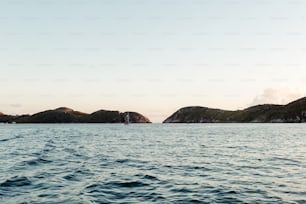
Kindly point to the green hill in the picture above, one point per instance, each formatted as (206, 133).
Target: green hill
(294, 112)
(67, 115)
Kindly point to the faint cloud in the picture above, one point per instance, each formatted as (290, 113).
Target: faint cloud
(277, 96)
(16, 105)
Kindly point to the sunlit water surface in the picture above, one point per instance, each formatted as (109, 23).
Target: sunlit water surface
(155, 163)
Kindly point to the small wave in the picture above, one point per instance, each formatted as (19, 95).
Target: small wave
(71, 177)
(182, 190)
(42, 175)
(117, 184)
(36, 162)
(154, 197)
(16, 182)
(287, 160)
(85, 172)
(151, 177)
(231, 192)
(148, 177)
(196, 201)
(197, 168)
(70, 150)
(189, 201)
(5, 140)
(49, 146)
(189, 167)
(300, 201)
(121, 161)
(227, 199)
(8, 139)
(92, 186)
(44, 195)
(128, 184)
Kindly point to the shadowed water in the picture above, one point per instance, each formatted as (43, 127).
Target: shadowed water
(154, 163)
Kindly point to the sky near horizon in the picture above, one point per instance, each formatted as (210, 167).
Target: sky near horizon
(152, 57)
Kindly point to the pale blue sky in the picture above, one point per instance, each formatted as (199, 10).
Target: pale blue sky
(150, 56)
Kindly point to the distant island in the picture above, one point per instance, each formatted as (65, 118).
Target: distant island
(67, 115)
(294, 112)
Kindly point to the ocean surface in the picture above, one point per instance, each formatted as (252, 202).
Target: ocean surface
(153, 163)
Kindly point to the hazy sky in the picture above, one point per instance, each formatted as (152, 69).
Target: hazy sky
(150, 56)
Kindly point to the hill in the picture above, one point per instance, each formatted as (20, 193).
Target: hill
(294, 112)
(67, 115)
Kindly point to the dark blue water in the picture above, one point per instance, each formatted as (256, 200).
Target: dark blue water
(154, 163)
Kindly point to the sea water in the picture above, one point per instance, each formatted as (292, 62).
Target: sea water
(153, 163)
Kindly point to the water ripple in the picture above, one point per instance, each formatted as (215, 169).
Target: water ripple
(226, 163)
(16, 181)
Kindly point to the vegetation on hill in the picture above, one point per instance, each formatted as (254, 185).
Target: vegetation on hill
(67, 115)
(294, 112)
